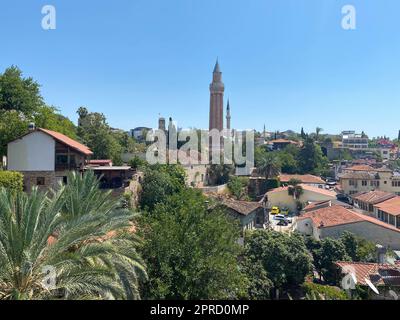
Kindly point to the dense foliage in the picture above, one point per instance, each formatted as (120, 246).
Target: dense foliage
(284, 258)
(13, 181)
(20, 104)
(315, 291)
(68, 245)
(191, 250)
(159, 182)
(237, 187)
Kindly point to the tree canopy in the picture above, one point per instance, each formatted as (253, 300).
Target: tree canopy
(191, 250)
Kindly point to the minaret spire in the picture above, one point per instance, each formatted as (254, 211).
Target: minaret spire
(217, 89)
(228, 116)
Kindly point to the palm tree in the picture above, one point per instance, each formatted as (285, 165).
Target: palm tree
(295, 189)
(318, 130)
(269, 166)
(68, 244)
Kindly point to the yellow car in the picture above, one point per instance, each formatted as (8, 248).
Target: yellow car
(275, 210)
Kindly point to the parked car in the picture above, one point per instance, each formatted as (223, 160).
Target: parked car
(275, 210)
(343, 198)
(282, 223)
(281, 217)
(285, 211)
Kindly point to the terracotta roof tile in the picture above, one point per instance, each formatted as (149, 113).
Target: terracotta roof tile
(374, 197)
(308, 188)
(361, 168)
(304, 178)
(338, 215)
(391, 206)
(67, 141)
(332, 216)
(242, 207)
(378, 274)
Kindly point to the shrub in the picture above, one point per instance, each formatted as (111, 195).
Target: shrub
(315, 291)
(11, 180)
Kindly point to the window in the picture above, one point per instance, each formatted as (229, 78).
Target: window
(392, 220)
(396, 183)
(364, 183)
(375, 183)
(353, 183)
(40, 181)
(61, 159)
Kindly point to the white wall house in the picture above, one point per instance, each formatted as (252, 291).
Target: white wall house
(45, 157)
(33, 152)
(333, 221)
(280, 197)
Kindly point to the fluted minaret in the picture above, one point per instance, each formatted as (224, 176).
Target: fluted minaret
(228, 116)
(217, 89)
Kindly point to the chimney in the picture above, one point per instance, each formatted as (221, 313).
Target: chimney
(381, 254)
(31, 127)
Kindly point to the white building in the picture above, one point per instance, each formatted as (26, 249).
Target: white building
(45, 157)
(280, 197)
(334, 220)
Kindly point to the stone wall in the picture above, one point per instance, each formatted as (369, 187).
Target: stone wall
(31, 180)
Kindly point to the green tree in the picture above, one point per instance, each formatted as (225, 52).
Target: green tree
(259, 285)
(311, 159)
(94, 131)
(13, 181)
(331, 251)
(303, 134)
(19, 93)
(366, 251)
(236, 186)
(12, 125)
(269, 166)
(288, 162)
(159, 182)
(191, 251)
(284, 257)
(137, 163)
(318, 131)
(89, 254)
(219, 173)
(350, 243)
(295, 189)
(20, 104)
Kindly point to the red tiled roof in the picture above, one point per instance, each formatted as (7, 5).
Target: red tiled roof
(337, 215)
(67, 141)
(308, 188)
(361, 168)
(326, 203)
(100, 162)
(378, 274)
(391, 206)
(374, 197)
(331, 216)
(242, 207)
(304, 178)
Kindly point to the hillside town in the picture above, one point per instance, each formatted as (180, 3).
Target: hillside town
(317, 216)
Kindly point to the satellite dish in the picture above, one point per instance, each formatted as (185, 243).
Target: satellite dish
(371, 285)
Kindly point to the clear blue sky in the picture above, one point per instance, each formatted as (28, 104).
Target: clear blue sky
(285, 63)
